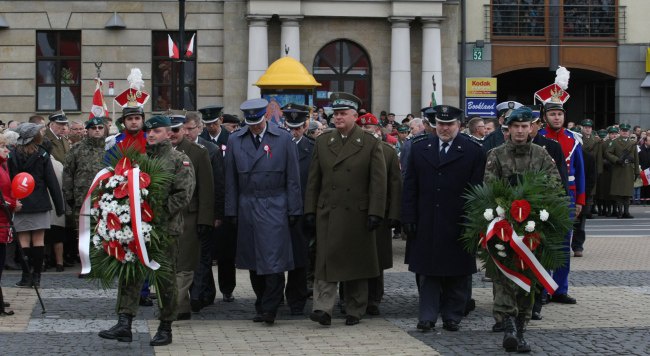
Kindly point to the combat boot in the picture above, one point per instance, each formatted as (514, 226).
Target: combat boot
(522, 345)
(4, 305)
(509, 338)
(120, 331)
(163, 335)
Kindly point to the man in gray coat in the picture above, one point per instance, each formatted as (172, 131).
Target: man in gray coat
(263, 195)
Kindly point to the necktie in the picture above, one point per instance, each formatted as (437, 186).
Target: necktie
(443, 150)
(257, 141)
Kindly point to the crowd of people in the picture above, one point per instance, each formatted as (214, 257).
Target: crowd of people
(310, 204)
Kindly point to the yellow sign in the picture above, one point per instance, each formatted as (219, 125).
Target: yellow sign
(481, 88)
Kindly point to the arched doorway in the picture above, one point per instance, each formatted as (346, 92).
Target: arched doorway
(592, 93)
(343, 65)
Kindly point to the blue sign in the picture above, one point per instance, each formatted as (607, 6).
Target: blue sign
(484, 107)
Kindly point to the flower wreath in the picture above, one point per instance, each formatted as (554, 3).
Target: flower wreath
(519, 230)
(119, 234)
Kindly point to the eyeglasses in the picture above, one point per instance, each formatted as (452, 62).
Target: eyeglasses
(96, 128)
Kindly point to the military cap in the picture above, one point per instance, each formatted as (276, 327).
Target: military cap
(575, 129)
(131, 110)
(602, 133)
(177, 120)
(157, 121)
(522, 114)
(295, 115)
(230, 119)
(553, 105)
(95, 121)
(58, 117)
(345, 101)
(429, 113)
(536, 111)
(504, 107)
(403, 129)
(612, 129)
(254, 110)
(367, 119)
(624, 127)
(587, 123)
(26, 132)
(210, 114)
(446, 113)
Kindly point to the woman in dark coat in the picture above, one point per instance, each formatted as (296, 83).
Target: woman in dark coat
(13, 205)
(34, 217)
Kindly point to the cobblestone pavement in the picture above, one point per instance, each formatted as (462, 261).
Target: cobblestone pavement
(611, 283)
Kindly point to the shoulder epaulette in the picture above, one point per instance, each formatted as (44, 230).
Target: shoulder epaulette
(419, 138)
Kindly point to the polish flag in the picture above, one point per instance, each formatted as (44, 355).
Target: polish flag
(99, 106)
(171, 47)
(190, 47)
(645, 177)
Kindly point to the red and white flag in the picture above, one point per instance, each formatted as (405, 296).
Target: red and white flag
(171, 47)
(645, 176)
(99, 106)
(190, 47)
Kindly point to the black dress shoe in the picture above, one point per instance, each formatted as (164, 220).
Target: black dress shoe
(498, 327)
(425, 325)
(627, 216)
(59, 268)
(321, 317)
(470, 306)
(351, 320)
(145, 302)
(372, 310)
(184, 316)
(563, 299)
(258, 318)
(536, 316)
(196, 305)
(268, 318)
(228, 298)
(450, 325)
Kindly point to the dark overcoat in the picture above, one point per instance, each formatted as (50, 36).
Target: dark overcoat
(347, 182)
(221, 140)
(393, 207)
(432, 199)
(262, 191)
(300, 240)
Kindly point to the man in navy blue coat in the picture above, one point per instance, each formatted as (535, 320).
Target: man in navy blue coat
(441, 168)
(263, 195)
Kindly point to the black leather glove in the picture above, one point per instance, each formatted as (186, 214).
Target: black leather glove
(293, 219)
(373, 222)
(410, 230)
(309, 223)
(394, 224)
(203, 230)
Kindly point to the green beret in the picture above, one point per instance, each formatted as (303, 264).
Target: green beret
(624, 127)
(95, 121)
(587, 123)
(157, 121)
(523, 114)
(602, 133)
(612, 129)
(403, 129)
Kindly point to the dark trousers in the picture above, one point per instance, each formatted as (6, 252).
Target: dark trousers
(296, 289)
(376, 289)
(203, 282)
(3, 252)
(268, 290)
(579, 235)
(225, 251)
(444, 296)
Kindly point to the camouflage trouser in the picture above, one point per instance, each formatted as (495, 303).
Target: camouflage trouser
(510, 299)
(128, 295)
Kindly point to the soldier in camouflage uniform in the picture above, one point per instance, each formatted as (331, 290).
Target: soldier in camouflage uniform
(508, 161)
(179, 192)
(623, 155)
(82, 164)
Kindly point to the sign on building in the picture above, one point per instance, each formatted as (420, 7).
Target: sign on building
(481, 97)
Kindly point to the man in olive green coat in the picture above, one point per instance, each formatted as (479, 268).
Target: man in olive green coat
(622, 153)
(345, 201)
(198, 216)
(57, 145)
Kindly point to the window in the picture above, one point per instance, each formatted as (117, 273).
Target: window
(518, 17)
(343, 66)
(589, 18)
(165, 74)
(58, 70)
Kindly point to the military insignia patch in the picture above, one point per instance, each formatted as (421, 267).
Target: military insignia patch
(359, 140)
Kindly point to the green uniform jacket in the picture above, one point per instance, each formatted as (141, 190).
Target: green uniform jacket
(179, 192)
(509, 159)
(603, 183)
(81, 164)
(60, 146)
(201, 207)
(347, 182)
(393, 207)
(591, 145)
(623, 156)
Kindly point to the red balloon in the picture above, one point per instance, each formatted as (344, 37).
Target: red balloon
(22, 185)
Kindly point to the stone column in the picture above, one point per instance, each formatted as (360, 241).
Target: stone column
(290, 36)
(431, 60)
(400, 67)
(258, 52)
